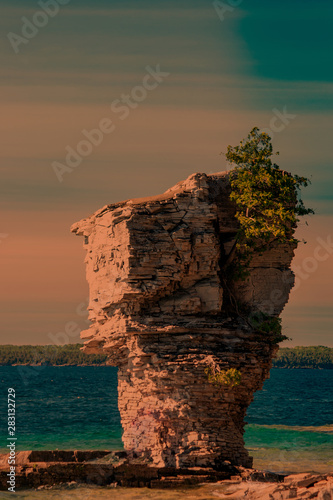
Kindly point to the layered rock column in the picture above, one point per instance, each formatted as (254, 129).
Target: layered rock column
(158, 306)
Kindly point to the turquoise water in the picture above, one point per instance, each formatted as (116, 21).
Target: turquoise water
(290, 423)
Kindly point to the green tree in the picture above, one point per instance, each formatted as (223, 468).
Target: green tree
(267, 200)
(69, 354)
(304, 357)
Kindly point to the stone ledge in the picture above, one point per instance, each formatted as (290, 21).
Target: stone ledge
(103, 468)
(46, 469)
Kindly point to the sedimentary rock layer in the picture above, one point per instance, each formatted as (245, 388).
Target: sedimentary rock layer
(44, 469)
(160, 308)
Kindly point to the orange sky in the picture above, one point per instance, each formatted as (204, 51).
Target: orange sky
(65, 79)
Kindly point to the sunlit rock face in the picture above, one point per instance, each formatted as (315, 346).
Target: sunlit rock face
(158, 307)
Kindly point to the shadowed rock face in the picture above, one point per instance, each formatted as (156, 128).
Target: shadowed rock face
(158, 309)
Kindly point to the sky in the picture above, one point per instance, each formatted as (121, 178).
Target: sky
(226, 66)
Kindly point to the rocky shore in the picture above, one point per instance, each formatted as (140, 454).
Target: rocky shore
(43, 470)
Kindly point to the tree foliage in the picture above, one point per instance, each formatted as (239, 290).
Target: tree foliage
(267, 198)
(69, 354)
(265, 325)
(304, 357)
(230, 378)
(295, 357)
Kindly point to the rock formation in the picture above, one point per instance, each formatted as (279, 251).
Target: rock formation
(160, 309)
(62, 470)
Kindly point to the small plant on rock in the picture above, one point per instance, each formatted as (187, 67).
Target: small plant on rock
(230, 378)
(265, 325)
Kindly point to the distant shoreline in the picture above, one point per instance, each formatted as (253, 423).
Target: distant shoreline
(49, 364)
(312, 357)
(106, 364)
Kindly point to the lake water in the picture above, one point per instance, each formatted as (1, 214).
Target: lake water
(290, 422)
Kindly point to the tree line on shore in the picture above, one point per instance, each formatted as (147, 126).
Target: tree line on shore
(304, 357)
(71, 354)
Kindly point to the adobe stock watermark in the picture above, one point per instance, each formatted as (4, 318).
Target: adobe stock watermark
(279, 122)
(310, 264)
(30, 27)
(302, 272)
(278, 296)
(223, 8)
(121, 107)
(3, 236)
